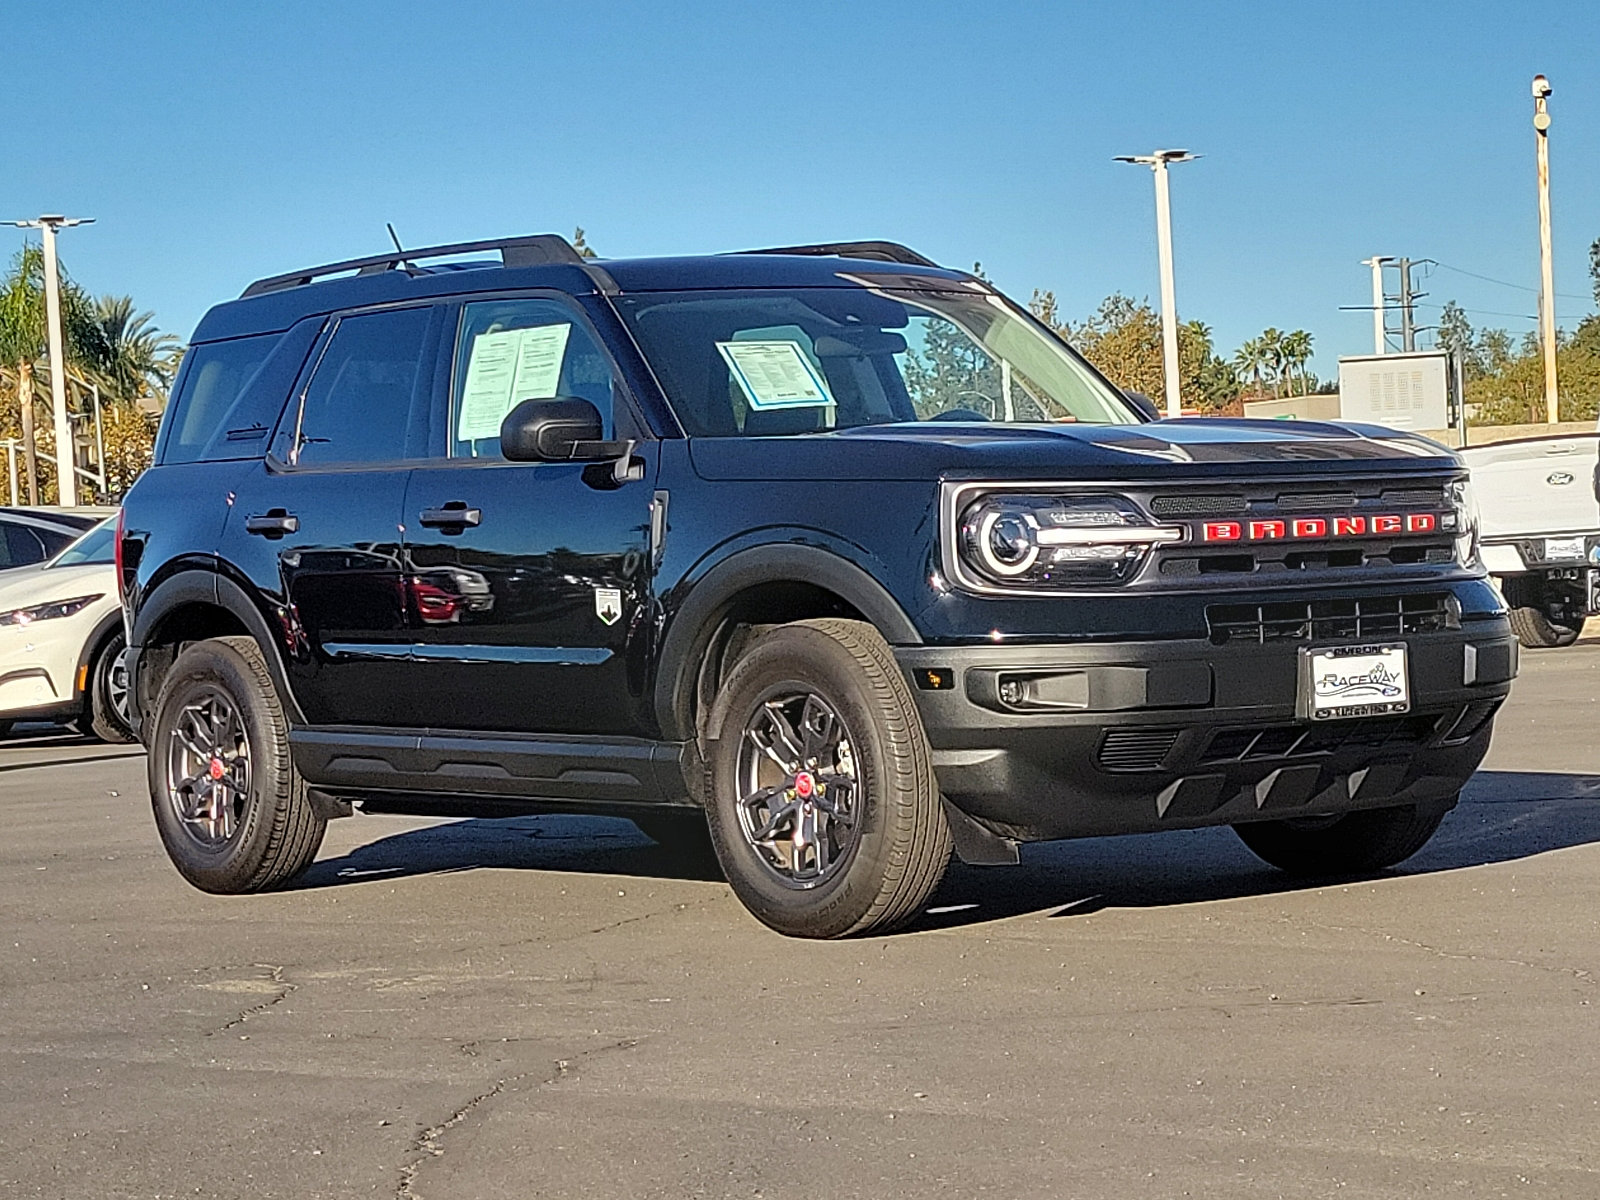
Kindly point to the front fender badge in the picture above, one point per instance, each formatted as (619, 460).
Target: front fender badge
(608, 605)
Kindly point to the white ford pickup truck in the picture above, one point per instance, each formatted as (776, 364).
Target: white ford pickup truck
(1540, 531)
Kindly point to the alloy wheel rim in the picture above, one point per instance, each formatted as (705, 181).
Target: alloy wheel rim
(117, 688)
(798, 787)
(208, 768)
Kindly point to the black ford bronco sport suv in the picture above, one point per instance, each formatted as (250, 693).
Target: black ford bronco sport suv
(836, 551)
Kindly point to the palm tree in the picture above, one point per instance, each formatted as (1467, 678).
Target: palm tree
(1272, 352)
(1296, 349)
(1249, 360)
(135, 358)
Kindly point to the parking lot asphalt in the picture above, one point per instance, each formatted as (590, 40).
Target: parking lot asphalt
(553, 1007)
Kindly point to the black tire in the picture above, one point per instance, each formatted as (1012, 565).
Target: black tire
(1352, 844)
(266, 832)
(105, 713)
(1527, 597)
(887, 858)
(1536, 631)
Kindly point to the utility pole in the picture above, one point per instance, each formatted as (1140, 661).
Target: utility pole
(1547, 283)
(1408, 326)
(1379, 312)
(1157, 162)
(66, 456)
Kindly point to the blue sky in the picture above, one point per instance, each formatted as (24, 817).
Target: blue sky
(216, 143)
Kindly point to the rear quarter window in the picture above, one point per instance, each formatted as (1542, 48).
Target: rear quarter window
(214, 376)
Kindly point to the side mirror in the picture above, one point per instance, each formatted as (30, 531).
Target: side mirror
(565, 429)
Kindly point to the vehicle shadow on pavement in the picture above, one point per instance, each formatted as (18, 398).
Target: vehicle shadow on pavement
(1505, 815)
(591, 845)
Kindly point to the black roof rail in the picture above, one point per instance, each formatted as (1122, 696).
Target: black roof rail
(533, 251)
(876, 251)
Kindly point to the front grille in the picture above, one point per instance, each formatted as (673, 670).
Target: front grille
(1359, 619)
(1198, 506)
(1281, 741)
(1136, 749)
(1302, 501)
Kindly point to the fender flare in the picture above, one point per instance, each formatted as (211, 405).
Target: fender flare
(210, 588)
(688, 633)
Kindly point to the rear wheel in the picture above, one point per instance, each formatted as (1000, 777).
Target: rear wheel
(1531, 614)
(231, 809)
(824, 809)
(1351, 844)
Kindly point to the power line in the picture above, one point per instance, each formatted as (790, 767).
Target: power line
(1521, 287)
(1487, 312)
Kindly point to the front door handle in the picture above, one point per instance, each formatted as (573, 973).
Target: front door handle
(273, 523)
(455, 515)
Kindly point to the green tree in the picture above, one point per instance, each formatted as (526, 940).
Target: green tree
(136, 361)
(24, 342)
(1295, 349)
(581, 244)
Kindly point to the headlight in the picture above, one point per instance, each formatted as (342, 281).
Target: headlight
(1054, 541)
(1464, 505)
(47, 612)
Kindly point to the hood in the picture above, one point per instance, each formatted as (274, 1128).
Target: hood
(1203, 446)
(23, 587)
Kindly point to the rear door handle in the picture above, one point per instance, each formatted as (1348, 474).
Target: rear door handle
(273, 523)
(455, 515)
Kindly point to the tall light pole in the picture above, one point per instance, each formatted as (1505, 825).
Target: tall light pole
(1547, 285)
(66, 456)
(1157, 162)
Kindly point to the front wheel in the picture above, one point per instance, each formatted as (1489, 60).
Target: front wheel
(823, 805)
(1351, 844)
(105, 704)
(231, 809)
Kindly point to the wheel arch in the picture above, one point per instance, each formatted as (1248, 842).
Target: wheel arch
(189, 607)
(93, 646)
(761, 585)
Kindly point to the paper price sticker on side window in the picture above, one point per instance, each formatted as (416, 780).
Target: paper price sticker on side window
(506, 368)
(775, 374)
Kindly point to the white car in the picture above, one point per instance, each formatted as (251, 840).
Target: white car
(62, 647)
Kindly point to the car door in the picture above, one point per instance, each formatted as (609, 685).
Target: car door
(316, 523)
(528, 583)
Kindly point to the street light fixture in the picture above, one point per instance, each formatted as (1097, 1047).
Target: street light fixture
(1157, 162)
(66, 459)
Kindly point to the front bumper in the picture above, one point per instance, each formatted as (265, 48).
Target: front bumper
(1185, 733)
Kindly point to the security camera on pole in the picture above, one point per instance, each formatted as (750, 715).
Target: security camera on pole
(1157, 162)
(66, 456)
(1547, 285)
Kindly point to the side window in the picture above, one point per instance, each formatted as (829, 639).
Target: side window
(22, 545)
(358, 407)
(214, 376)
(509, 351)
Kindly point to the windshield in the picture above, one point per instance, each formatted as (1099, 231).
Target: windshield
(807, 360)
(96, 546)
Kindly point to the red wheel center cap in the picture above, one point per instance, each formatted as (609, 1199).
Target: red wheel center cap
(217, 770)
(804, 785)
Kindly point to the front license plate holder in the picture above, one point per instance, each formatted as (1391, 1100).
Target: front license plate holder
(1340, 682)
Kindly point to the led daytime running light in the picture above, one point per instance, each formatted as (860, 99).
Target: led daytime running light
(48, 612)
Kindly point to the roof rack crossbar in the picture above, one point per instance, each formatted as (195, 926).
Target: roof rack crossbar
(533, 251)
(875, 251)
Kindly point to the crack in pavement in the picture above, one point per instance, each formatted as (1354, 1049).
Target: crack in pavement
(1577, 973)
(426, 1144)
(284, 986)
